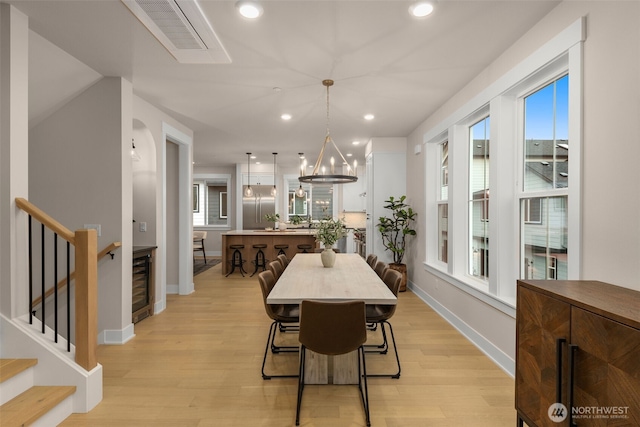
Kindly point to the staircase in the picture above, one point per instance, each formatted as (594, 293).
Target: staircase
(26, 404)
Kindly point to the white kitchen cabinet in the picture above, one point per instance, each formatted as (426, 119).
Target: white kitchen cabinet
(354, 195)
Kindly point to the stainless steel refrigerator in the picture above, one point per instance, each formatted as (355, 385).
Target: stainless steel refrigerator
(254, 208)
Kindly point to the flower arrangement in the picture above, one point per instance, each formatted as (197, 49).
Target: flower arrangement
(329, 231)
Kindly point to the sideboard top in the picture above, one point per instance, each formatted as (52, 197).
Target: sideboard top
(616, 302)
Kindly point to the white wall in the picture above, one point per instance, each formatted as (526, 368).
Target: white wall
(611, 194)
(75, 175)
(145, 181)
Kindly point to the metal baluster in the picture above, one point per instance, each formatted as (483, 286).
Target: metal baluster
(30, 274)
(68, 296)
(42, 304)
(55, 285)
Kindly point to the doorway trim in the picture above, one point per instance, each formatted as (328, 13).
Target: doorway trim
(185, 215)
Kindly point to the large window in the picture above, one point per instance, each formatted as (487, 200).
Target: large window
(316, 203)
(503, 159)
(210, 200)
(443, 205)
(546, 174)
(479, 199)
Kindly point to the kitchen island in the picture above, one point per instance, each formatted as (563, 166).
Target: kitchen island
(271, 238)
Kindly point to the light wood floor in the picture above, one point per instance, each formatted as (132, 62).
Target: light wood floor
(198, 364)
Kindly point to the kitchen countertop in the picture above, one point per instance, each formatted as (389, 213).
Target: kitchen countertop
(293, 231)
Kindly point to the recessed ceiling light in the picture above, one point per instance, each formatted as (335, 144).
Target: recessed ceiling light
(253, 157)
(421, 9)
(356, 143)
(369, 116)
(249, 9)
(258, 163)
(286, 116)
(349, 154)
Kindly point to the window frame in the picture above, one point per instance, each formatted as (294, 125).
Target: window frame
(198, 179)
(561, 55)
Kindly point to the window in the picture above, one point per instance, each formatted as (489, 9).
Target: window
(543, 244)
(443, 206)
(211, 193)
(479, 199)
(503, 159)
(317, 202)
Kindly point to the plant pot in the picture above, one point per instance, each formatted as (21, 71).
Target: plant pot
(402, 269)
(328, 257)
(282, 226)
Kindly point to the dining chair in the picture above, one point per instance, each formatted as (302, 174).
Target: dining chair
(333, 328)
(372, 259)
(380, 268)
(380, 314)
(198, 244)
(276, 268)
(282, 315)
(283, 260)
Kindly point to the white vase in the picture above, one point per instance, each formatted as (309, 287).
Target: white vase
(282, 226)
(328, 257)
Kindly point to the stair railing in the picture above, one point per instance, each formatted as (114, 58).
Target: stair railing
(85, 242)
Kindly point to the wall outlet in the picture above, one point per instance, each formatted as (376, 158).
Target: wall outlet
(96, 227)
(143, 227)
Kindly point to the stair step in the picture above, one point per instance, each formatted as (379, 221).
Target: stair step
(12, 367)
(32, 404)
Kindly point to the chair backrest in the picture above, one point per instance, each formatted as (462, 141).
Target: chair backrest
(332, 327)
(276, 268)
(267, 282)
(372, 260)
(392, 278)
(380, 268)
(283, 260)
(199, 235)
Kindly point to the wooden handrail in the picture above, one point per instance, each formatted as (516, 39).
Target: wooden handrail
(63, 282)
(45, 219)
(85, 242)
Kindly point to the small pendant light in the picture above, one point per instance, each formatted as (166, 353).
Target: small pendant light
(248, 191)
(273, 190)
(300, 190)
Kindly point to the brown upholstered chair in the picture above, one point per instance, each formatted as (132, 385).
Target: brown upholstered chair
(380, 268)
(380, 314)
(333, 328)
(276, 268)
(281, 314)
(372, 259)
(283, 260)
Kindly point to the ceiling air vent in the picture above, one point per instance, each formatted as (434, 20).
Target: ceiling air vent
(182, 28)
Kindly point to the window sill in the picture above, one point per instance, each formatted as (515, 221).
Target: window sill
(507, 306)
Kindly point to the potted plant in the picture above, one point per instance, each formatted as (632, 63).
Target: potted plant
(274, 217)
(328, 232)
(395, 230)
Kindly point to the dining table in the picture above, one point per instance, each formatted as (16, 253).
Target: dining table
(351, 278)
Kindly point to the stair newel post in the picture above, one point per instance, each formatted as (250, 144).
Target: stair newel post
(86, 297)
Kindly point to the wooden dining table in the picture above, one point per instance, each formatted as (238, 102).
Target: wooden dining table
(351, 278)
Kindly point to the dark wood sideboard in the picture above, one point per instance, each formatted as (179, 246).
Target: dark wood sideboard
(577, 343)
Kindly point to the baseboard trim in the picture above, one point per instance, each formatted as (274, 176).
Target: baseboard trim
(116, 337)
(491, 351)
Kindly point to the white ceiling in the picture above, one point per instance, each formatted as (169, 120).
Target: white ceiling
(383, 62)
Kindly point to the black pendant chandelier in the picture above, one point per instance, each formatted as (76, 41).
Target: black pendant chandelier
(323, 174)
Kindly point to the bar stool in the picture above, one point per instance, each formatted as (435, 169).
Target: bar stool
(236, 259)
(281, 249)
(305, 248)
(260, 261)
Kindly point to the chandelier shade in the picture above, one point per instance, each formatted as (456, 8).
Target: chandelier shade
(320, 174)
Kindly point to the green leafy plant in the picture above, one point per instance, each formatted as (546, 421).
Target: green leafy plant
(330, 230)
(394, 230)
(296, 219)
(272, 217)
